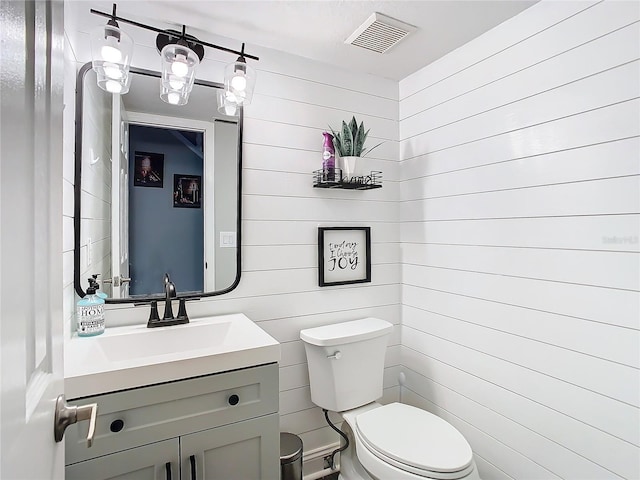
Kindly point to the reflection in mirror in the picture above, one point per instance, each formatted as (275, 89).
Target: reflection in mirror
(157, 191)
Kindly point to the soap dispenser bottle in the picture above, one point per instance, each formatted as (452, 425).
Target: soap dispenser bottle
(90, 313)
(328, 158)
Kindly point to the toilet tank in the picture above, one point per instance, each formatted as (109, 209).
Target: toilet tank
(346, 362)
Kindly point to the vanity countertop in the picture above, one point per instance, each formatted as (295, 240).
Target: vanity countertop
(135, 356)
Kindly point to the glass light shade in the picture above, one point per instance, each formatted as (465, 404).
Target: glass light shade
(110, 84)
(239, 82)
(225, 105)
(175, 89)
(173, 97)
(179, 64)
(179, 61)
(111, 51)
(113, 71)
(177, 82)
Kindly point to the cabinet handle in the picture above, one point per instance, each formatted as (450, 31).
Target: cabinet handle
(167, 467)
(116, 425)
(192, 460)
(234, 399)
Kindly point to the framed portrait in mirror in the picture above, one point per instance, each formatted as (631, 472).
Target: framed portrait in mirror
(148, 169)
(187, 191)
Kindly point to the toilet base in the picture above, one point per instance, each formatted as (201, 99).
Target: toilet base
(350, 467)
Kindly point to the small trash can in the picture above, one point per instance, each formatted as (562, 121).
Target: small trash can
(290, 457)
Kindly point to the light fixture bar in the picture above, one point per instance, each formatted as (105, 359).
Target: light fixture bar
(159, 30)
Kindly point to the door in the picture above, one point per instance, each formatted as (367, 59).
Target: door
(31, 317)
(119, 200)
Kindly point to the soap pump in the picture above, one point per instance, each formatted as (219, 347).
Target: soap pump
(93, 281)
(90, 312)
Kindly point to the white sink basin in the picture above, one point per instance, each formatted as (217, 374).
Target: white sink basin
(164, 340)
(128, 357)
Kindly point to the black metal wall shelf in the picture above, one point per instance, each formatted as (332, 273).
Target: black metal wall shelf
(333, 178)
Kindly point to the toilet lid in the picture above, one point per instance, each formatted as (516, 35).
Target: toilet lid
(415, 437)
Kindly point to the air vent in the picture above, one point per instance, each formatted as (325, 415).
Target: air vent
(379, 33)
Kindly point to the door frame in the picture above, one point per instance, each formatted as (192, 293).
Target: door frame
(208, 206)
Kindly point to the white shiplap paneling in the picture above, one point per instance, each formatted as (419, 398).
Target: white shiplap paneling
(519, 200)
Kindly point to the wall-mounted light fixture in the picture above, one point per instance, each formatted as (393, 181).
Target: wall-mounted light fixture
(181, 54)
(111, 50)
(239, 80)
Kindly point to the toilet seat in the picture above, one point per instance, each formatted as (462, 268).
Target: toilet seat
(415, 441)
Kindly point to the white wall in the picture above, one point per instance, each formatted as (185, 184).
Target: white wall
(519, 206)
(225, 147)
(295, 100)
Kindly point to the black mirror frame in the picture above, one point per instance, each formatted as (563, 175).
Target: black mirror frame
(77, 194)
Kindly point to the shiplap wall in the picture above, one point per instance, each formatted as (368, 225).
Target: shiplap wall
(295, 101)
(519, 204)
(95, 241)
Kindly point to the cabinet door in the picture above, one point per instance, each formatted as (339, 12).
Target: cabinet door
(248, 450)
(157, 461)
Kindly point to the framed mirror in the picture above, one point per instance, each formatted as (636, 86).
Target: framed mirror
(157, 191)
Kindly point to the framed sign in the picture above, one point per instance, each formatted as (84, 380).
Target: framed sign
(344, 255)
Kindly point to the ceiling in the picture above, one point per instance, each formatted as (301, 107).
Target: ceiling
(317, 29)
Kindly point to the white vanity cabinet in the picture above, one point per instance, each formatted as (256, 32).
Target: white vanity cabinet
(220, 426)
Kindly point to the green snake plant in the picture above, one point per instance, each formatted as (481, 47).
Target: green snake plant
(349, 141)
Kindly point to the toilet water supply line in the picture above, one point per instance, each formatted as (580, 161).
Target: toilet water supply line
(341, 433)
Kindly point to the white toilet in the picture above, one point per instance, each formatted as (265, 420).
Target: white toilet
(386, 442)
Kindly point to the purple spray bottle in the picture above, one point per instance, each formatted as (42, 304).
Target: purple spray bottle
(328, 158)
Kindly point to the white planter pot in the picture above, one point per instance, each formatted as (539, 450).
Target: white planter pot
(350, 167)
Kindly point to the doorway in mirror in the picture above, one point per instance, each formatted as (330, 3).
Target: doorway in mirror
(163, 238)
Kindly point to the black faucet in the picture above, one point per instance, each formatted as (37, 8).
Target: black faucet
(169, 294)
(168, 318)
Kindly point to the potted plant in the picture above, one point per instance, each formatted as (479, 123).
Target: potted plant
(349, 144)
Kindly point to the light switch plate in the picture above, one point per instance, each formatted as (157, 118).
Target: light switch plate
(227, 239)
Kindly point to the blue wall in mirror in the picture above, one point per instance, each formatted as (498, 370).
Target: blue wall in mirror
(165, 238)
